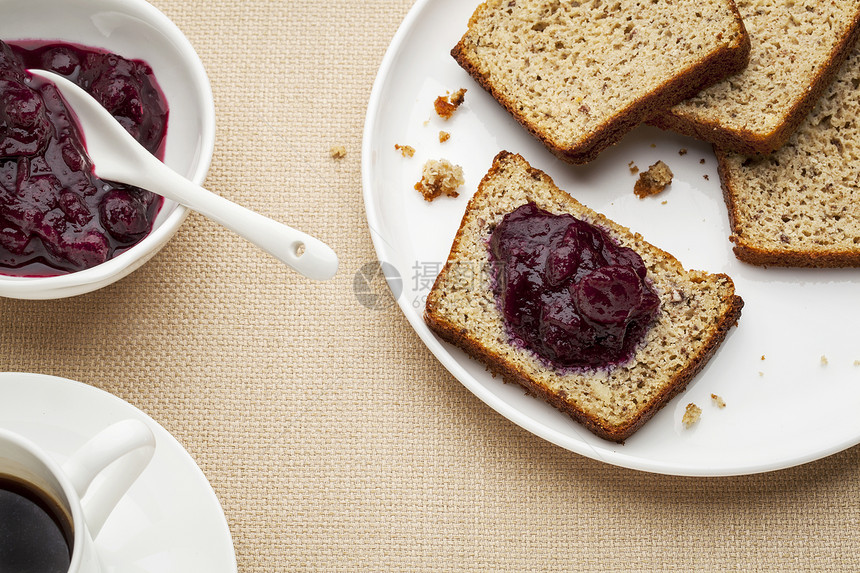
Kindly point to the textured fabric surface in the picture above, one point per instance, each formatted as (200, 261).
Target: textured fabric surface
(333, 439)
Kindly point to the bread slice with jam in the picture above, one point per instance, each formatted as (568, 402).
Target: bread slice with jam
(696, 310)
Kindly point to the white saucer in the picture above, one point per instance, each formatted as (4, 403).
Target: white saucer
(169, 521)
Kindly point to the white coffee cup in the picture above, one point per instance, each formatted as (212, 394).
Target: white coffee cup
(88, 485)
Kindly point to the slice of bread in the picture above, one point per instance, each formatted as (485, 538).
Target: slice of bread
(800, 206)
(579, 75)
(797, 48)
(696, 311)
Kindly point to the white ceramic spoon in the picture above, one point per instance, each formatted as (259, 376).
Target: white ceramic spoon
(118, 157)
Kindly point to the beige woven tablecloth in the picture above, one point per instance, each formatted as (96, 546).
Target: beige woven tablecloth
(332, 437)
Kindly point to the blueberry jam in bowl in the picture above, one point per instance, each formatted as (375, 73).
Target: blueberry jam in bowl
(136, 31)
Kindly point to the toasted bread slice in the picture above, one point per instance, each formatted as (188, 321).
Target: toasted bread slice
(797, 48)
(696, 311)
(800, 206)
(579, 75)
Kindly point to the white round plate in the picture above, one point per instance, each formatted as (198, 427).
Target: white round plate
(137, 30)
(789, 373)
(169, 521)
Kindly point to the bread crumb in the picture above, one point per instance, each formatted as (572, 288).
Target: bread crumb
(663, 202)
(654, 145)
(857, 363)
(444, 136)
(718, 401)
(405, 150)
(762, 356)
(633, 169)
(337, 151)
(440, 177)
(707, 177)
(824, 361)
(702, 161)
(692, 413)
(653, 181)
(682, 151)
(447, 104)
(760, 373)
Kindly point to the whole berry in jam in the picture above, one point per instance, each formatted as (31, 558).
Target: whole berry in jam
(123, 214)
(24, 127)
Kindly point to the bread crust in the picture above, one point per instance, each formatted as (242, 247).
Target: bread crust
(729, 59)
(751, 253)
(748, 142)
(497, 364)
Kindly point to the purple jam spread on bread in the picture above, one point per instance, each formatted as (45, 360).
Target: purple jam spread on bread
(567, 291)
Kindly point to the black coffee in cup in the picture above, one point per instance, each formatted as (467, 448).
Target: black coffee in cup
(35, 533)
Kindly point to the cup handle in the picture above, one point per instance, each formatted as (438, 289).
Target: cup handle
(118, 454)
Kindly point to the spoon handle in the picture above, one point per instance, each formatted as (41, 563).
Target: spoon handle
(298, 250)
(119, 157)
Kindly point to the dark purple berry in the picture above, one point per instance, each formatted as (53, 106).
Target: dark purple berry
(123, 215)
(73, 157)
(119, 96)
(23, 107)
(13, 239)
(10, 65)
(60, 59)
(608, 295)
(88, 250)
(52, 227)
(24, 127)
(8, 179)
(75, 208)
(41, 192)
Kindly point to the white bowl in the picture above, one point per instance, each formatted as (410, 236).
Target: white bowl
(133, 29)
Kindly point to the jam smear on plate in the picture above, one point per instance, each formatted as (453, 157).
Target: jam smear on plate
(567, 291)
(56, 216)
